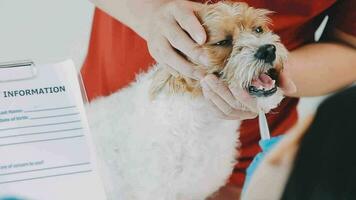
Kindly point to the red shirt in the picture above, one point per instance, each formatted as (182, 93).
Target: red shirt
(116, 54)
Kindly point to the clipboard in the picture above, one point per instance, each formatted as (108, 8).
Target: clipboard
(29, 125)
(17, 70)
(26, 69)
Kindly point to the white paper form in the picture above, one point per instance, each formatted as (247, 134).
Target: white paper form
(45, 149)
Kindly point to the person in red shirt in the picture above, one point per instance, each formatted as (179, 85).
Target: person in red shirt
(126, 33)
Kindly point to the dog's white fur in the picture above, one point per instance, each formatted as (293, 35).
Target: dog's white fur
(173, 147)
(169, 148)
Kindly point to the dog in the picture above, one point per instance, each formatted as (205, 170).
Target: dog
(159, 139)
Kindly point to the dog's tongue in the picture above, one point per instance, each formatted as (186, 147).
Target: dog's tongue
(263, 81)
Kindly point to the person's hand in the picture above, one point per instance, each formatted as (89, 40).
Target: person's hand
(236, 103)
(228, 103)
(172, 30)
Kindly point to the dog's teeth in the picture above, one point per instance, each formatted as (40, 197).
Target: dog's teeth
(273, 82)
(260, 87)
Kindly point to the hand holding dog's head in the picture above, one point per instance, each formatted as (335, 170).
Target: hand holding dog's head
(243, 52)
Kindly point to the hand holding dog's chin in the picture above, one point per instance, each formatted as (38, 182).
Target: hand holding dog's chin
(228, 102)
(172, 27)
(235, 103)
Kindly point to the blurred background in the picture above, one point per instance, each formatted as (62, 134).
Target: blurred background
(48, 31)
(44, 30)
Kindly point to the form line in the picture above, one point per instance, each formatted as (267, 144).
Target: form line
(48, 168)
(39, 133)
(35, 141)
(56, 175)
(53, 116)
(39, 125)
(49, 109)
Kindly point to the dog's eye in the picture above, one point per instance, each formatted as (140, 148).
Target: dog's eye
(259, 30)
(224, 43)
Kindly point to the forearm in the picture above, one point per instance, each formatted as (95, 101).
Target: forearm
(130, 12)
(321, 68)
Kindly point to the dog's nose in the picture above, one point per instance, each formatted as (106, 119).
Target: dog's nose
(267, 53)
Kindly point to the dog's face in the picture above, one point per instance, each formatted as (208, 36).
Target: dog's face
(243, 51)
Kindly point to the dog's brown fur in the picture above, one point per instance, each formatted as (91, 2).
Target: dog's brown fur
(221, 21)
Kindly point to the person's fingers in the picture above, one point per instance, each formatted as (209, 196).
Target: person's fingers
(234, 96)
(196, 6)
(235, 115)
(199, 73)
(247, 115)
(219, 88)
(217, 100)
(216, 110)
(171, 70)
(224, 109)
(180, 40)
(160, 55)
(156, 55)
(176, 61)
(286, 84)
(167, 38)
(244, 98)
(187, 19)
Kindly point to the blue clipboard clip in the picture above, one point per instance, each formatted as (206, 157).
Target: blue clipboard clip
(17, 70)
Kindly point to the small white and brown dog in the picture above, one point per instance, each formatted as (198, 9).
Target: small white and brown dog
(158, 139)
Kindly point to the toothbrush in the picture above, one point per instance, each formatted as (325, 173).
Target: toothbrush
(264, 130)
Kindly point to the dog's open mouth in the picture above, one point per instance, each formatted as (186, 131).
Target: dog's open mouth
(264, 85)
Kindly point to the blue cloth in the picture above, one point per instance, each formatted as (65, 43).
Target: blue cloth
(266, 146)
(9, 198)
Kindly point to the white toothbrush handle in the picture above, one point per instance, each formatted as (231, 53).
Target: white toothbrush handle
(264, 130)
